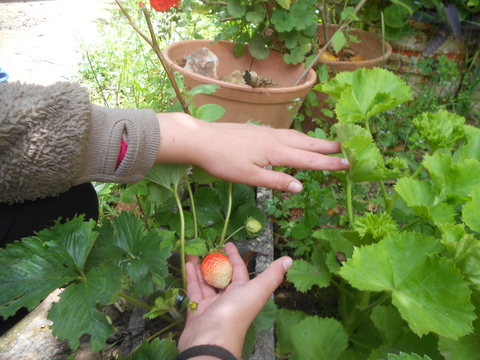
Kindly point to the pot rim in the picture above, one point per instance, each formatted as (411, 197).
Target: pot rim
(308, 82)
(384, 57)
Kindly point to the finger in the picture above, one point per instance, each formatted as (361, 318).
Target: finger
(267, 282)
(301, 141)
(194, 289)
(240, 272)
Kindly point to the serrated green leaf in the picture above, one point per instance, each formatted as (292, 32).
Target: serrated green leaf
(209, 112)
(285, 320)
(195, 247)
(428, 291)
(465, 348)
(471, 210)
(201, 176)
(317, 338)
(78, 305)
(74, 237)
(440, 130)
(140, 254)
(338, 41)
(405, 356)
(467, 259)
(30, 272)
(166, 175)
(304, 274)
(456, 180)
(366, 92)
(208, 206)
(176, 224)
(377, 225)
(366, 163)
(422, 197)
(157, 349)
(163, 304)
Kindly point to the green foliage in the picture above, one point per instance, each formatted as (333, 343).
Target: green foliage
(89, 262)
(406, 270)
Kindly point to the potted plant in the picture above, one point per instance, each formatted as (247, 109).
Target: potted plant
(428, 30)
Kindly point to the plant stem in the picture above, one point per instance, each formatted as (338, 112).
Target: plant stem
(349, 201)
(387, 201)
(227, 217)
(182, 237)
(134, 300)
(154, 45)
(194, 212)
(236, 231)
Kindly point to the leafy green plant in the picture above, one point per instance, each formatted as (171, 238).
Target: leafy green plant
(96, 265)
(406, 272)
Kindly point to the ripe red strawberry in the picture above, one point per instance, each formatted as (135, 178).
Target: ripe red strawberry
(217, 270)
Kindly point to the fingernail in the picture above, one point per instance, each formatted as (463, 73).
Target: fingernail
(295, 187)
(287, 263)
(345, 161)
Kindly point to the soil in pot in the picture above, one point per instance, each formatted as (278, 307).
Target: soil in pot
(372, 48)
(275, 105)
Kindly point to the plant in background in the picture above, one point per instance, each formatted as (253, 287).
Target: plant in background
(406, 272)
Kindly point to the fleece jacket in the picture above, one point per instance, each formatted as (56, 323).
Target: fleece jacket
(53, 138)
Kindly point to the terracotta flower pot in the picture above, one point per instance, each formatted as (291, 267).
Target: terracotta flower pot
(275, 106)
(375, 51)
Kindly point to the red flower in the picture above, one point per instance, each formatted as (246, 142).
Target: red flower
(163, 5)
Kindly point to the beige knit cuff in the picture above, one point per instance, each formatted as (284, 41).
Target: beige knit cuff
(103, 145)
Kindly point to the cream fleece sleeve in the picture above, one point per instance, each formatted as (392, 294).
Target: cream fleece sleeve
(107, 127)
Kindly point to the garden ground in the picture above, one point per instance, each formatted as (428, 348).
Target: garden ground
(39, 39)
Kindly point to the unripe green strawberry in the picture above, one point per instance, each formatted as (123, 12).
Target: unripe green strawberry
(217, 270)
(253, 226)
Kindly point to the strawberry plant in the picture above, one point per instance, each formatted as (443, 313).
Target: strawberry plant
(176, 209)
(406, 272)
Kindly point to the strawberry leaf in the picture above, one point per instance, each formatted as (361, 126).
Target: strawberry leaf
(428, 291)
(304, 274)
(139, 253)
(166, 175)
(157, 349)
(30, 271)
(317, 338)
(78, 305)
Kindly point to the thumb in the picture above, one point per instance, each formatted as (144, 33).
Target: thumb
(267, 282)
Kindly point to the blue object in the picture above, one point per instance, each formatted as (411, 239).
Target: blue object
(3, 76)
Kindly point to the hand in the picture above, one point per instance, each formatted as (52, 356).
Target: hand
(223, 318)
(239, 152)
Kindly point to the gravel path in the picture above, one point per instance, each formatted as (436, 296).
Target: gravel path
(39, 38)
